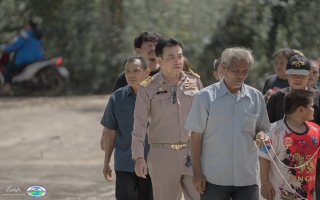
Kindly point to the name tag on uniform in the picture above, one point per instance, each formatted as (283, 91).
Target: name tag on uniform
(161, 92)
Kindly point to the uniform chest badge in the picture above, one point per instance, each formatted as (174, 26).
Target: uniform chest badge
(189, 85)
(314, 139)
(159, 84)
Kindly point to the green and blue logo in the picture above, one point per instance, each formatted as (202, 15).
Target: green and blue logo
(36, 191)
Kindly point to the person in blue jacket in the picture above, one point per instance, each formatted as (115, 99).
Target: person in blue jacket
(28, 49)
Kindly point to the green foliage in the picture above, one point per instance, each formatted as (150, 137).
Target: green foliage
(94, 37)
(265, 26)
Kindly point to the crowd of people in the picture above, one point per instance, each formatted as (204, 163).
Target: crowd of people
(226, 141)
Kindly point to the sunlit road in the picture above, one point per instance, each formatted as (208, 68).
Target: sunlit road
(54, 143)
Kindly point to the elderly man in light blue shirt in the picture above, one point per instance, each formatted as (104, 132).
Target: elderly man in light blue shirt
(225, 119)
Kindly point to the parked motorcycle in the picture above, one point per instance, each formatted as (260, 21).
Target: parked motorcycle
(46, 77)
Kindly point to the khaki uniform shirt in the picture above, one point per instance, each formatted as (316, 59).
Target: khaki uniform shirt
(166, 119)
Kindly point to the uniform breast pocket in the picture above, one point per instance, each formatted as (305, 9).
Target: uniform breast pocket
(249, 123)
(189, 96)
(161, 101)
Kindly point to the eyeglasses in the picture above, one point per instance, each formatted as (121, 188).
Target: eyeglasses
(173, 97)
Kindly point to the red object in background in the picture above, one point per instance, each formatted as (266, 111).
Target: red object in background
(275, 89)
(58, 61)
(4, 58)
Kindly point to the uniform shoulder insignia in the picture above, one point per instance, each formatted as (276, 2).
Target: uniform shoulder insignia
(194, 74)
(146, 81)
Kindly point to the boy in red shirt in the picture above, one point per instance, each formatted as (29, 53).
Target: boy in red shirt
(288, 163)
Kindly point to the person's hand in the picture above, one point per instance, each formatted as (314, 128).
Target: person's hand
(107, 172)
(262, 139)
(267, 191)
(141, 167)
(102, 141)
(199, 182)
(268, 94)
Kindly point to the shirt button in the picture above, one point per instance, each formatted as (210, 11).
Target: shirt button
(235, 138)
(236, 113)
(235, 126)
(235, 150)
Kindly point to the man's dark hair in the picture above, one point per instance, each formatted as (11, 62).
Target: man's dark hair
(296, 98)
(286, 52)
(32, 24)
(144, 62)
(36, 32)
(166, 42)
(146, 36)
(216, 63)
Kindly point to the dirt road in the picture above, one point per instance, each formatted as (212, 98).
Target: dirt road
(53, 143)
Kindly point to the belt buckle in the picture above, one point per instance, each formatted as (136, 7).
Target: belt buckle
(175, 146)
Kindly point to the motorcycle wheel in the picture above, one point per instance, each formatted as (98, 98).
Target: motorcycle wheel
(51, 80)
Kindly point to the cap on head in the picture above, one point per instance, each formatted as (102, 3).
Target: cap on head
(298, 65)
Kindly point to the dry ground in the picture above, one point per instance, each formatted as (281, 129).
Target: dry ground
(54, 143)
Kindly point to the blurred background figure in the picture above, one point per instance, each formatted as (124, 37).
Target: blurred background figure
(28, 49)
(144, 45)
(279, 79)
(218, 72)
(298, 52)
(314, 77)
(186, 65)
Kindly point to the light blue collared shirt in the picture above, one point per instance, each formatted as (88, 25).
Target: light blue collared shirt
(228, 123)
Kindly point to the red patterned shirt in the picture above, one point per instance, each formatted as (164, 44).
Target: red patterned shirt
(297, 155)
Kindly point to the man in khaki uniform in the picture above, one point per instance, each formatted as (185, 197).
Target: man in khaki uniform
(166, 99)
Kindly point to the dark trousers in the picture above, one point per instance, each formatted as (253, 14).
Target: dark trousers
(317, 188)
(130, 186)
(11, 69)
(318, 180)
(218, 192)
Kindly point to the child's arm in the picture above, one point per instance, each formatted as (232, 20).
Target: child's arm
(267, 190)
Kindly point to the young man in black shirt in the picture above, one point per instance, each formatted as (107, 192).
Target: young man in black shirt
(298, 71)
(144, 45)
(278, 80)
